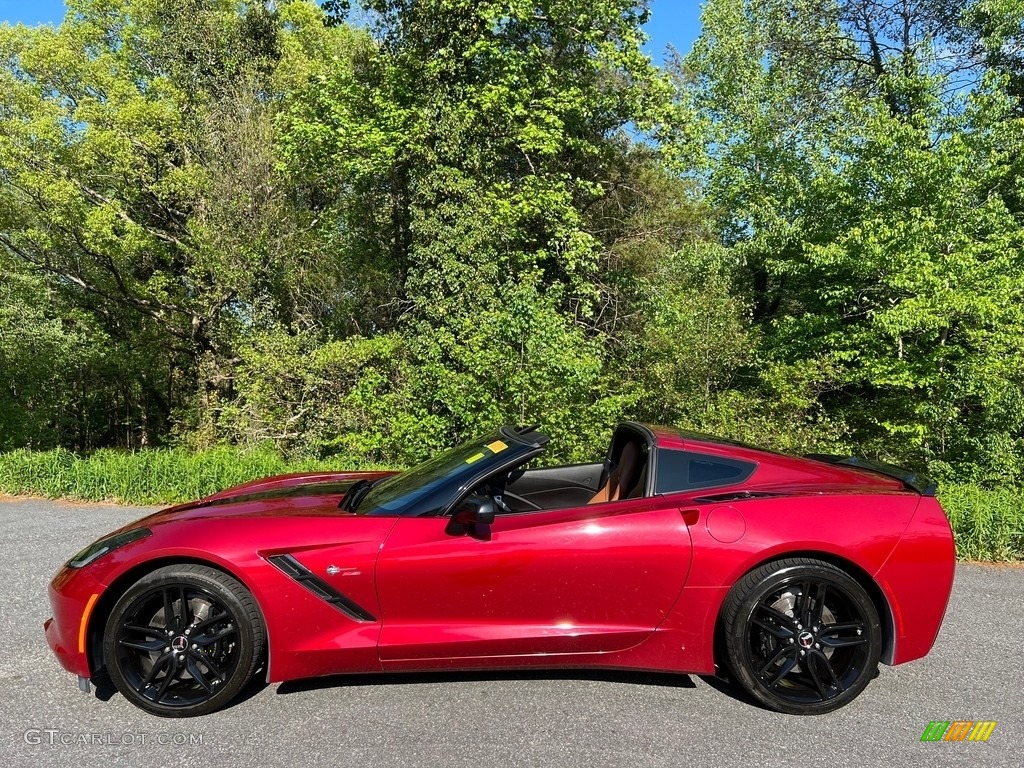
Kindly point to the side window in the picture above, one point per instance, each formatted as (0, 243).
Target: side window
(683, 471)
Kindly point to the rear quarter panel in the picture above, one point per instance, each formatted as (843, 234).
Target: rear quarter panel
(863, 529)
(919, 574)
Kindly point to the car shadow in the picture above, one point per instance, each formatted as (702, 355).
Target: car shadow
(104, 687)
(663, 679)
(727, 688)
(105, 690)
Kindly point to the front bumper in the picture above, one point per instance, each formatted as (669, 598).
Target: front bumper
(73, 598)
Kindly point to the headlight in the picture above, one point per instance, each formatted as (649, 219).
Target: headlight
(101, 547)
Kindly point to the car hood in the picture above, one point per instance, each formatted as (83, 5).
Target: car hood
(305, 494)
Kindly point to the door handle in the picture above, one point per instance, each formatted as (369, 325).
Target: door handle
(690, 516)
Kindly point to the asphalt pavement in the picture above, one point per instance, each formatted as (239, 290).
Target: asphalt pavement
(535, 719)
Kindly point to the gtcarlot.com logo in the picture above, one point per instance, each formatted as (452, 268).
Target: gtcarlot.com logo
(958, 730)
(53, 737)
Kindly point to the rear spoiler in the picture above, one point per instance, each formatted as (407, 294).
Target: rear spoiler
(913, 480)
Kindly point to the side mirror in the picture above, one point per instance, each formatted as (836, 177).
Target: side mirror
(472, 511)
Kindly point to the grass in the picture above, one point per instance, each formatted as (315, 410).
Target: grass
(988, 525)
(159, 476)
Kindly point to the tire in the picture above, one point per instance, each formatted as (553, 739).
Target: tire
(801, 636)
(183, 641)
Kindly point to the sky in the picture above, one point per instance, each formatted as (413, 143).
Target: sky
(675, 22)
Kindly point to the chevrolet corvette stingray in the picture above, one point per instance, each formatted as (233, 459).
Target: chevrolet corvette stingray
(792, 576)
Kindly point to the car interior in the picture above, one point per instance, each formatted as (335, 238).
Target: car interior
(622, 475)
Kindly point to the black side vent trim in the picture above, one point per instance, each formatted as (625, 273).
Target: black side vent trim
(300, 573)
(718, 498)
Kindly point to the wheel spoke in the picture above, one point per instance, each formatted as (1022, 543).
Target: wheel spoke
(828, 635)
(781, 633)
(143, 645)
(842, 642)
(802, 609)
(210, 621)
(146, 630)
(819, 604)
(208, 663)
(779, 616)
(169, 617)
(165, 684)
(785, 669)
(827, 663)
(811, 663)
(157, 666)
(779, 653)
(209, 639)
(197, 675)
(185, 619)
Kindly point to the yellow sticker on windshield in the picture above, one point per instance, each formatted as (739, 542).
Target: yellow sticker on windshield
(497, 446)
(474, 457)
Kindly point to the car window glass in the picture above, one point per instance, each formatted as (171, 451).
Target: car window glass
(703, 471)
(428, 488)
(685, 470)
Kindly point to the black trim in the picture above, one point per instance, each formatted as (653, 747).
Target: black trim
(528, 436)
(913, 480)
(300, 573)
(719, 498)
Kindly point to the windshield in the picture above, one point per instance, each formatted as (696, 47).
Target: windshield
(431, 486)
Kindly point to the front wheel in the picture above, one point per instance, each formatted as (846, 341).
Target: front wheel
(801, 636)
(183, 641)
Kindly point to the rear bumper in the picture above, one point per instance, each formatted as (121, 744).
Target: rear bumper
(917, 578)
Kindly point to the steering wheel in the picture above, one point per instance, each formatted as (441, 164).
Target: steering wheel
(516, 497)
(498, 493)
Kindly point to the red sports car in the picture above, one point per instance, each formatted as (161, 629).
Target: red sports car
(679, 552)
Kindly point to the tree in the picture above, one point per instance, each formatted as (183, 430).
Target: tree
(138, 168)
(459, 158)
(873, 197)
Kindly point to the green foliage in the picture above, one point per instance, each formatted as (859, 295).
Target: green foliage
(988, 525)
(139, 193)
(264, 225)
(467, 147)
(870, 187)
(155, 476)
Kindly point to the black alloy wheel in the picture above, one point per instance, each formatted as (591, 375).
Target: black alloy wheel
(801, 635)
(183, 641)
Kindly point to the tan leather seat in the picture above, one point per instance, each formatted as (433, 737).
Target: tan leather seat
(622, 480)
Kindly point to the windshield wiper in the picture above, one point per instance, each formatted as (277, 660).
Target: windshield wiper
(355, 495)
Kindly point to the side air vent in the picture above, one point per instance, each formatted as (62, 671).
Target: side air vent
(720, 498)
(300, 573)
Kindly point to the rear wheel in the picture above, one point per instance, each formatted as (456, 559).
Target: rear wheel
(183, 641)
(801, 636)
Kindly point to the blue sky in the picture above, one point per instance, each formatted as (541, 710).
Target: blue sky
(672, 21)
(32, 11)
